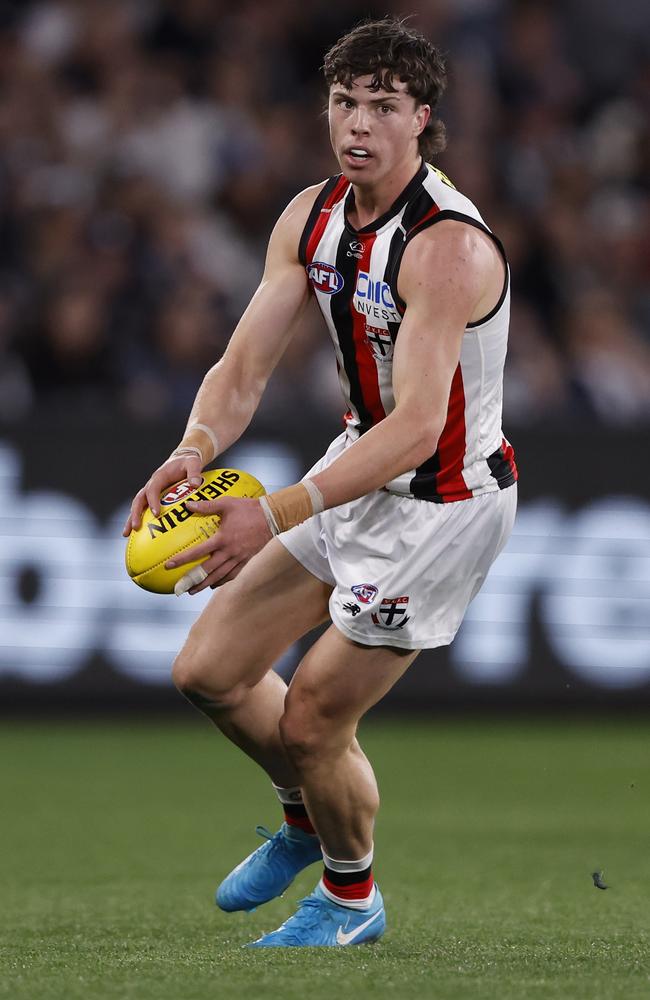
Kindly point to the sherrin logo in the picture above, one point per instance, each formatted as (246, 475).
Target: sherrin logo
(325, 278)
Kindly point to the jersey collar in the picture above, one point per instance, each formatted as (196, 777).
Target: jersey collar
(396, 207)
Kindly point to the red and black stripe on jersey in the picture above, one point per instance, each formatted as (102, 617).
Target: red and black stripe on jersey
(440, 478)
(332, 191)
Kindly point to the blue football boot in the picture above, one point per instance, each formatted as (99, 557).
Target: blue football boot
(269, 870)
(319, 923)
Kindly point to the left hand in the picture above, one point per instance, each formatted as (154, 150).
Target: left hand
(242, 533)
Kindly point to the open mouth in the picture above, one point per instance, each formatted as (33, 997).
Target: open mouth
(358, 154)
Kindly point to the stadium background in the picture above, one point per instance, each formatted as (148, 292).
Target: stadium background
(146, 148)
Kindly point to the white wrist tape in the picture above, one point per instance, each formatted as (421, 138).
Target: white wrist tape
(187, 449)
(270, 519)
(210, 433)
(317, 501)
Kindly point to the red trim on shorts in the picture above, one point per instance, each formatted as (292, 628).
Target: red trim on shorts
(509, 455)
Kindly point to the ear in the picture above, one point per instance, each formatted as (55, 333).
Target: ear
(422, 116)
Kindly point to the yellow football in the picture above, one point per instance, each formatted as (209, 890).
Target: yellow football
(159, 538)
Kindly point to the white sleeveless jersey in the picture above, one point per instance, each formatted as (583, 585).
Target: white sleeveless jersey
(353, 274)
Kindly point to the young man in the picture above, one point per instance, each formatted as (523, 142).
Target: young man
(391, 533)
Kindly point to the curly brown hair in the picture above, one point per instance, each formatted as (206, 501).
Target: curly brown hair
(386, 50)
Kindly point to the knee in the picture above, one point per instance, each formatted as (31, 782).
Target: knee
(196, 678)
(305, 731)
(299, 740)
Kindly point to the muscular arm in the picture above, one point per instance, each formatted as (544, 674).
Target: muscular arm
(232, 389)
(446, 282)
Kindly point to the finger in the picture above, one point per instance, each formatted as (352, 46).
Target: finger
(214, 506)
(137, 510)
(152, 495)
(193, 471)
(196, 552)
(216, 577)
(216, 563)
(229, 576)
(205, 506)
(195, 576)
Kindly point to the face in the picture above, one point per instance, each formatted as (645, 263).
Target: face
(374, 133)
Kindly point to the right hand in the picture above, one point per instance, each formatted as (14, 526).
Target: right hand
(172, 471)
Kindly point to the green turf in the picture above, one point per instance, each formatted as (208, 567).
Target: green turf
(113, 836)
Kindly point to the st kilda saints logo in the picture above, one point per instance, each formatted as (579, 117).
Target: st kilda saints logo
(392, 613)
(380, 342)
(356, 249)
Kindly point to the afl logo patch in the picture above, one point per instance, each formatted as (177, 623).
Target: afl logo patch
(179, 492)
(325, 278)
(366, 592)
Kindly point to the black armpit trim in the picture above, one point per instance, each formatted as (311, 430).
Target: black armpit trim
(459, 217)
(313, 215)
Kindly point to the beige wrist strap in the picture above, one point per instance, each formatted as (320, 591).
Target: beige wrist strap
(291, 506)
(200, 439)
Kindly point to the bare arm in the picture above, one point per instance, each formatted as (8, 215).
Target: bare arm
(446, 282)
(231, 390)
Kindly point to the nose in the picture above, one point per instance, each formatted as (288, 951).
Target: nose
(360, 124)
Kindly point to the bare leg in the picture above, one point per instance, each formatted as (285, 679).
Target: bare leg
(225, 666)
(336, 683)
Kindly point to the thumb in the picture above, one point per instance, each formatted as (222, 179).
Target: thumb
(193, 471)
(211, 506)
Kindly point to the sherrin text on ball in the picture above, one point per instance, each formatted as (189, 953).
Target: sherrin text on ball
(177, 528)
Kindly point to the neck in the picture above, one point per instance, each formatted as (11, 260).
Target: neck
(373, 200)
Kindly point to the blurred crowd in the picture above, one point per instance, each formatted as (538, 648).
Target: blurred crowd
(147, 146)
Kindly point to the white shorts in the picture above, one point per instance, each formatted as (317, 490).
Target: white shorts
(403, 570)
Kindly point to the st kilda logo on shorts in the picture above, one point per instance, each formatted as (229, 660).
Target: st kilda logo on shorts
(392, 613)
(324, 277)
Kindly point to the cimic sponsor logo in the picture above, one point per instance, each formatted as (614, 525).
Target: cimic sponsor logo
(374, 291)
(325, 278)
(375, 299)
(210, 491)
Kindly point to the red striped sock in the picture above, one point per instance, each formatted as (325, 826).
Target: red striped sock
(295, 813)
(349, 883)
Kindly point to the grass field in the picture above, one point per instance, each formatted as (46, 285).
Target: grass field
(113, 836)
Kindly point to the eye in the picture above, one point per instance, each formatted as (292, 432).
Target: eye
(385, 109)
(345, 103)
